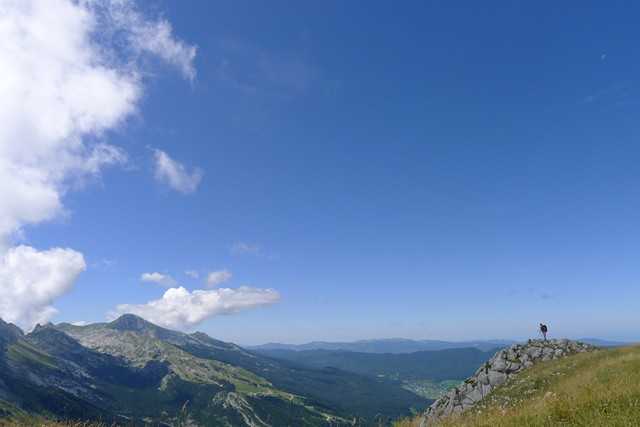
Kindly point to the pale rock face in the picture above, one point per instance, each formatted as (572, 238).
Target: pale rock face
(534, 352)
(497, 377)
(503, 365)
(475, 395)
(514, 367)
(482, 378)
(486, 389)
(499, 364)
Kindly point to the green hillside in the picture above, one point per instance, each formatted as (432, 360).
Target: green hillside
(600, 388)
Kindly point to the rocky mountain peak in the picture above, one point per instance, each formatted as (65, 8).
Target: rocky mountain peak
(131, 322)
(40, 327)
(9, 332)
(504, 364)
(50, 339)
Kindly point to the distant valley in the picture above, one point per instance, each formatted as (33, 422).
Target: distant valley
(427, 373)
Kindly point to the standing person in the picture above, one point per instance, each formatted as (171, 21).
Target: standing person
(543, 330)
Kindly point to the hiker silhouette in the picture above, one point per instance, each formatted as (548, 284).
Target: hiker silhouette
(543, 330)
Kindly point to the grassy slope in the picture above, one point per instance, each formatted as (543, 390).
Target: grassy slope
(591, 389)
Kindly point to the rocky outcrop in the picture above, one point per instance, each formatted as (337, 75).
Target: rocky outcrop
(504, 364)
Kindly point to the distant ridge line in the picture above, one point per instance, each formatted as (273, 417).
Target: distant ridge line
(404, 345)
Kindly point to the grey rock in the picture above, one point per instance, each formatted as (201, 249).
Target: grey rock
(499, 365)
(497, 378)
(534, 352)
(475, 395)
(482, 378)
(514, 367)
(486, 389)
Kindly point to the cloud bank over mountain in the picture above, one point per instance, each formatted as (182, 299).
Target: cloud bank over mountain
(180, 309)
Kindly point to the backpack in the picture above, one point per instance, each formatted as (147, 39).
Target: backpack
(543, 328)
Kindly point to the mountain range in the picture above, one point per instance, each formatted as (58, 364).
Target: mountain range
(133, 370)
(130, 371)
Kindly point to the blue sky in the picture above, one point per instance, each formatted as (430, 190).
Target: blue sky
(423, 170)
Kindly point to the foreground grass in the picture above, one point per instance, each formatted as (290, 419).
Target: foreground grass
(590, 389)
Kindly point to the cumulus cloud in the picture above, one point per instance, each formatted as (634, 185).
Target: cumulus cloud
(159, 278)
(175, 174)
(67, 79)
(216, 278)
(30, 280)
(180, 309)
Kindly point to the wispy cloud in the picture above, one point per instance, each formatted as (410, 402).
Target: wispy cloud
(216, 278)
(620, 93)
(103, 264)
(159, 278)
(244, 248)
(252, 249)
(530, 293)
(256, 71)
(175, 174)
(192, 273)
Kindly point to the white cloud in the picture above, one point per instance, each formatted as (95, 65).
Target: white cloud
(192, 273)
(180, 309)
(80, 323)
(30, 280)
(175, 174)
(240, 248)
(215, 278)
(159, 278)
(67, 79)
